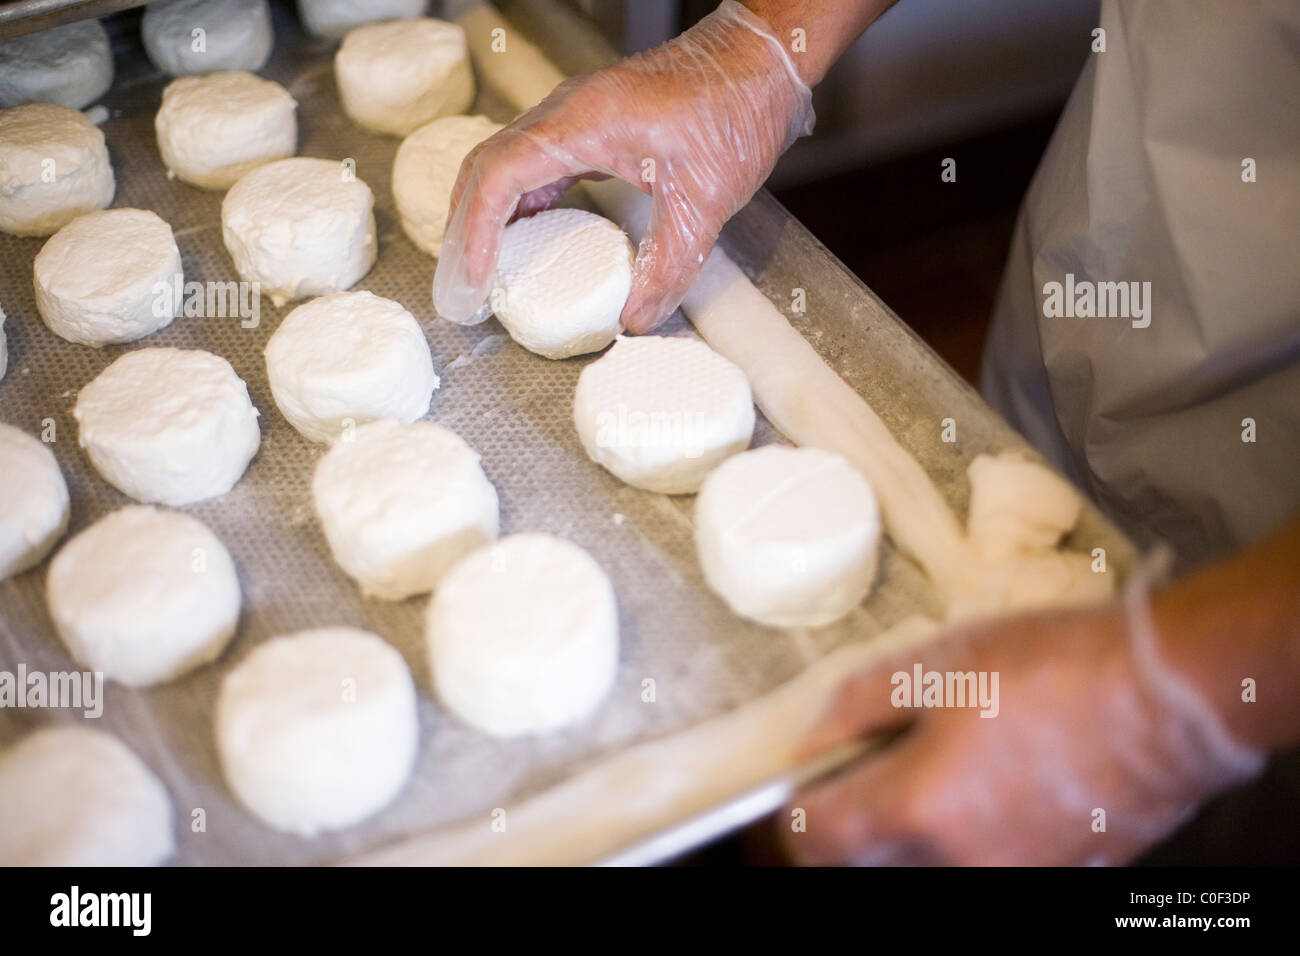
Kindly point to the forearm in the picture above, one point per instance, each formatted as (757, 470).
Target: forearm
(1236, 620)
(828, 29)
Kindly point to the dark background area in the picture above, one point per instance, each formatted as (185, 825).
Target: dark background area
(933, 251)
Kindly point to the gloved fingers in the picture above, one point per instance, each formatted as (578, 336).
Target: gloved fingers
(860, 706)
(862, 815)
(672, 252)
(538, 200)
(493, 179)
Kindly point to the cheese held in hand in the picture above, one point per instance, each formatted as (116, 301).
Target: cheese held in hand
(562, 280)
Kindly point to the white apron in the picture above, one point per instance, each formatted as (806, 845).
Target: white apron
(1143, 183)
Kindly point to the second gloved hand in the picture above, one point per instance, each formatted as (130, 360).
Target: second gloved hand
(698, 123)
(1093, 751)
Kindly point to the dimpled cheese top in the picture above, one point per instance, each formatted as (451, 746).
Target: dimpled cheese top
(144, 595)
(396, 76)
(35, 140)
(661, 413)
(33, 501)
(83, 799)
(97, 278)
(300, 227)
(317, 730)
(788, 537)
(236, 35)
(562, 280)
(71, 65)
(424, 173)
(349, 358)
(212, 129)
(167, 425)
(401, 504)
(333, 18)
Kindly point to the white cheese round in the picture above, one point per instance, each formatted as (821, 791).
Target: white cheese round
(53, 168)
(788, 537)
(424, 173)
(347, 359)
(317, 730)
(81, 799)
(144, 595)
(400, 504)
(661, 413)
(300, 227)
(398, 75)
(33, 501)
(168, 425)
(205, 36)
(562, 279)
(523, 636)
(331, 19)
(109, 277)
(213, 129)
(71, 65)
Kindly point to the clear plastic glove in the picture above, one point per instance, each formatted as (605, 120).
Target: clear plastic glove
(698, 123)
(1089, 718)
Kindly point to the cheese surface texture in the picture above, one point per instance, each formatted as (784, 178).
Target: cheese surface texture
(346, 359)
(33, 501)
(300, 227)
(523, 636)
(54, 167)
(71, 65)
(661, 413)
(144, 595)
(317, 730)
(213, 129)
(424, 173)
(204, 36)
(788, 537)
(109, 277)
(562, 279)
(83, 799)
(397, 75)
(171, 426)
(401, 504)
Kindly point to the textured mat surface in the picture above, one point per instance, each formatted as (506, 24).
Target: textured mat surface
(515, 409)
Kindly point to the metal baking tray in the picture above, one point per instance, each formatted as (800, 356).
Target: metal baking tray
(515, 409)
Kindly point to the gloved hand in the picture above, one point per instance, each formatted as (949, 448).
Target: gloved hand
(1089, 718)
(698, 123)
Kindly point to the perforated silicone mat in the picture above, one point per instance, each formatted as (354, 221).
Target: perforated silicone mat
(515, 409)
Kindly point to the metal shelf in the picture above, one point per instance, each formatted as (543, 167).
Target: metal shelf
(30, 16)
